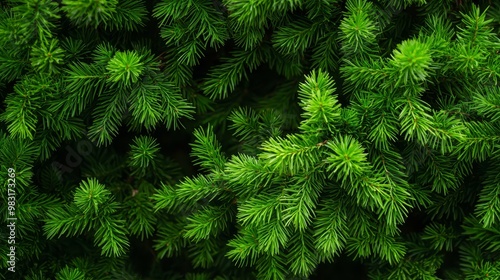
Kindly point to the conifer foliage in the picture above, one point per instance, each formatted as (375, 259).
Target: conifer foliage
(250, 139)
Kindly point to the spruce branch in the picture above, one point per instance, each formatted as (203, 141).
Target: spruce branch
(111, 236)
(330, 230)
(319, 103)
(143, 152)
(370, 131)
(302, 254)
(125, 67)
(245, 123)
(65, 220)
(440, 236)
(347, 159)
(83, 83)
(260, 209)
(89, 12)
(273, 236)
(246, 175)
(21, 113)
(479, 142)
(209, 221)
(325, 53)
(385, 130)
(170, 239)
(70, 273)
(291, 155)
(488, 206)
(271, 267)
(202, 254)
(244, 247)
(358, 30)
(187, 194)
(146, 104)
(487, 104)
(301, 200)
(207, 150)
(411, 63)
(223, 79)
(129, 15)
(14, 62)
(475, 30)
(296, 37)
(90, 196)
(139, 219)
(36, 19)
(247, 37)
(108, 117)
(47, 56)
(414, 118)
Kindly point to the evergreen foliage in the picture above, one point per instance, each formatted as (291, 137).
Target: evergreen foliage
(262, 139)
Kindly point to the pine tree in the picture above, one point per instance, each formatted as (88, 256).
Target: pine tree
(238, 139)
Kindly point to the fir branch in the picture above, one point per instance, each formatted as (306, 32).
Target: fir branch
(488, 104)
(325, 53)
(125, 68)
(188, 193)
(146, 104)
(37, 18)
(65, 220)
(245, 123)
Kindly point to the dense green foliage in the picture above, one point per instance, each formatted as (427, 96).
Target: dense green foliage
(251, 139)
